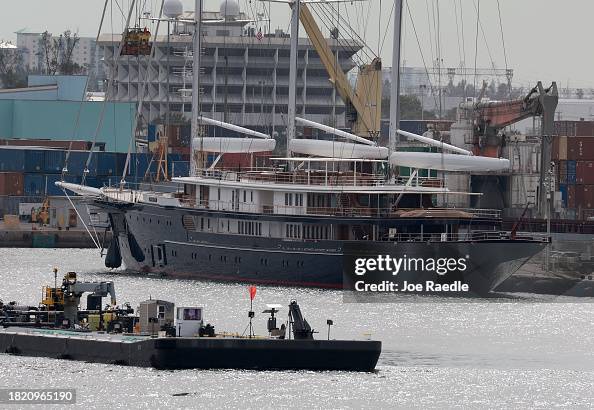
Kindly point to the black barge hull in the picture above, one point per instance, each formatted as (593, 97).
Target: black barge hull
(193, 353)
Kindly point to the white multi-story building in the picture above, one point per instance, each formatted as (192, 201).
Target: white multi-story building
(85, 54)
(245, 74)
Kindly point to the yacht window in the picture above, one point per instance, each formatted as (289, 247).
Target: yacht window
(251, 196)
(244, 193)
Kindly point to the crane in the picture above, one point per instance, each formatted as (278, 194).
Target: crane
(492, 116)
(72, 290)
(364, 103)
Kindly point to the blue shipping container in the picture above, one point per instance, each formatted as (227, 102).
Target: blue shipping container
(139, 164)
(34, 160)
(77, 161)
(34, 184)
(12, 160)
(152, 133)
(110, 163)
(179, 168)
(563, 190)
(53, 161)
(51, 180)
(571, 172)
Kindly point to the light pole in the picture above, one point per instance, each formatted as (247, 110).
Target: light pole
(549, 185)
(422, 87)
(262, 97)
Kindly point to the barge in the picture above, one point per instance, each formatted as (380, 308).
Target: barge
(165, 336)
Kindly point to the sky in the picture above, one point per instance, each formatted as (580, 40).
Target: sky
(544, 40)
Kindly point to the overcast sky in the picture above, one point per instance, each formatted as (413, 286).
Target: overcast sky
(544, 39)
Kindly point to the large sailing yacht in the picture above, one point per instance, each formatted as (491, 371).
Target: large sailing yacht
(293, 219)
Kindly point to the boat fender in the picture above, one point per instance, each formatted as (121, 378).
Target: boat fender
(113, 258)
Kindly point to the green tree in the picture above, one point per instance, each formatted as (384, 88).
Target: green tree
(57, 53)
(410, 108)
(12, 74)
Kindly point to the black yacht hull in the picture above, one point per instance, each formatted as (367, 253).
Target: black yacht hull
(155, 239)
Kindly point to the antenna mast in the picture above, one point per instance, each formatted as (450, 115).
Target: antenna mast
(395, 85)
(196, 53)
(292, 109)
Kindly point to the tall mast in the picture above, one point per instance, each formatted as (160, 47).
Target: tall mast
(395, 84)
(292, 111)
(196, 53)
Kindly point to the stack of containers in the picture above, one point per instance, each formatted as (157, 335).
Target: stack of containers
(34, 171)
(573, 154)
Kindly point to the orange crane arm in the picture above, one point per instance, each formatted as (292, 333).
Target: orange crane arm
(366, 118)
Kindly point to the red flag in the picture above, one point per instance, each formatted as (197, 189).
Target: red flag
(252, 290)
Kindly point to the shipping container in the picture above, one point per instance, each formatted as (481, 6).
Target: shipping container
(571, 196)
(12, 160)
(60, 144)
(565, 128)
(571, 169)
(179, 168)
(110, 163)
(34, 160)
(584, 128)
(139, 165)
(34, 184)
(559, 148)
(580, 148)
(53, 161)
(11, 184)
(152, 133)
(51, 179)
(94, 182)
(183, 151)
(585, 172)
(77, 160)
(563, 190)
(584, 197)
(562, 172)
(178, 136)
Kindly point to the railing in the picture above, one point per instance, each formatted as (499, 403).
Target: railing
(473, 236)
(361, 211)
(314, 177)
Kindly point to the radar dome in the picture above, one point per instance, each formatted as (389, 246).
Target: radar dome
(229, 9)
(173, 8)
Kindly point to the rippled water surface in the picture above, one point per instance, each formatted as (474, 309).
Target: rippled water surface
(437, 352)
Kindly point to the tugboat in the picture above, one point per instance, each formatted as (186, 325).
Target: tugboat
(165, 336)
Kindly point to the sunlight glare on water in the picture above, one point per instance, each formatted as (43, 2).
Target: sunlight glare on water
(442, 353)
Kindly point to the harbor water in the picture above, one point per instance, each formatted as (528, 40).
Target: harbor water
(437, 352)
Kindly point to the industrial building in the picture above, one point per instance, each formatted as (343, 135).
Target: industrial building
(245, 74)
(50, 106)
